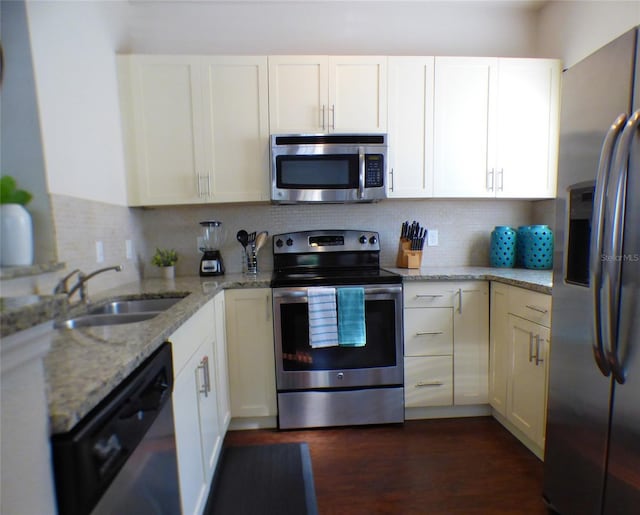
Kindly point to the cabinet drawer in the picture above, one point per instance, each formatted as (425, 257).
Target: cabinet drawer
(428, 381)
(190, 335)
(428, 331)
(423, 294)
(530, 305)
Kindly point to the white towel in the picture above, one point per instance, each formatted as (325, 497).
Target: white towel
(323, 320)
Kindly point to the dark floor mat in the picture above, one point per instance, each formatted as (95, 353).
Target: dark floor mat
(264, 479)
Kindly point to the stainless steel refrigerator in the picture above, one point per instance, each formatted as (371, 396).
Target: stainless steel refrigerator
(592, 456)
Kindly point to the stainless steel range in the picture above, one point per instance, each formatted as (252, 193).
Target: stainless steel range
(338, 330)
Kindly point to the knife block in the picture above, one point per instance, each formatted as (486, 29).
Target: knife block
(408, 258)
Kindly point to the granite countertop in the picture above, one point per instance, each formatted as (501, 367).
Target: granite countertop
(85, 364)
(19, 313)
(536, 280)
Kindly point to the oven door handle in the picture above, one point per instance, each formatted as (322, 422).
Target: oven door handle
(302, 292)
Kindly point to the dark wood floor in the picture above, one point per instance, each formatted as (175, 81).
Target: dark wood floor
(448, 466)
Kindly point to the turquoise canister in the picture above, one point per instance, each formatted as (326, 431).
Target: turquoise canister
(521, 238)
(503, 247)
(537, 247)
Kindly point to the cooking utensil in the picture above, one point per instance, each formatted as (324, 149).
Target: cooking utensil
(261, 239)
(243, 237)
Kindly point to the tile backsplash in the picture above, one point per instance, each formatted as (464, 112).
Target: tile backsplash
(464, 227)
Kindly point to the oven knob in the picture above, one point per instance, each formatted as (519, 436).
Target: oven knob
(289, 242)
(279, 243)
(373, 240)
(363, 239)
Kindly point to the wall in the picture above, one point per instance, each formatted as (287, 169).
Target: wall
(21, 144)
(464, 227)
(573, 30)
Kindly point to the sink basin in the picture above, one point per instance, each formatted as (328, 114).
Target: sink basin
(120, 307)
(125, 311)
(92, 320)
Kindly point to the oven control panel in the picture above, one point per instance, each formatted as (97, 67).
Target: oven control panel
(326, 241)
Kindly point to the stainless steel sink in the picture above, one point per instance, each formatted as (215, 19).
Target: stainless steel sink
(125, 311)
(92, 320)
(120, 307)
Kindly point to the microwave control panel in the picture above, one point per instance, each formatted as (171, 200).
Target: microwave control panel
(374, 171)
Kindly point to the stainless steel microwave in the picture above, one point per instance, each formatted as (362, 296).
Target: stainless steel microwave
(328, 168)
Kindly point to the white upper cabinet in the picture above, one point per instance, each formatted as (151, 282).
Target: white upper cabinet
(196, 128)
(463, 97)
(527, 119)
(410, 127)
(496, 127)
(323, 94)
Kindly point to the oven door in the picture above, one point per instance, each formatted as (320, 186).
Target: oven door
(379, 362)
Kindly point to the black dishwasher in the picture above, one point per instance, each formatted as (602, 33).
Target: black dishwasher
(121, 458)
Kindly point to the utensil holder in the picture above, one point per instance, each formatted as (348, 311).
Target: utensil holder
(252, 260)
(408, 258)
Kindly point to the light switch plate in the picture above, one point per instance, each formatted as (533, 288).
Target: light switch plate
(432, 237)
(99, 252)
(128, 245)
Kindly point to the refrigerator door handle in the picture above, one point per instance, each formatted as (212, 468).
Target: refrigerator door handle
(595, 252)
(613, 266)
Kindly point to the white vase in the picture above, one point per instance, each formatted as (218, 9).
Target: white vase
(16, 245)
(168, 272)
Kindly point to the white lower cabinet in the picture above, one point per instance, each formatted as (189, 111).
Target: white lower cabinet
(251, 356)
(519, 370)
(199, 432)
(446, 334)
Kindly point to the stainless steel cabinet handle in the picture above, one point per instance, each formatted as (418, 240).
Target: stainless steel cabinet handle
(333, 111)
(427, 333)
(538, 358)
(597, 235)
(391, 181)
(489, 183)
(428, 296)
(426, 384)
(612, 270)
(269, 308)
(204, 366)
(538, 309)
(500, 187)
(323, 117)
(460, 299)
(531, 355)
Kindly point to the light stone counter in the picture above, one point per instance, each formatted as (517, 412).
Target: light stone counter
(85, 364)
(536, 280)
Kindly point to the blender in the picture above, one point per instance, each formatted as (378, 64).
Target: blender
(211, 241)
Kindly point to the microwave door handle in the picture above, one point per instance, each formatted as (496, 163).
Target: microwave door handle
(362, 171)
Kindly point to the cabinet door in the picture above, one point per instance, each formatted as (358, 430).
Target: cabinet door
(526, 398)
(298, 94)
(411, 127)
(471, 344)
(357, 94)
(169, 165)
(464, 97)
(499, 348)
(526, 137)
(236, 128)
(222, 375)
(251, 352)
(186, 407)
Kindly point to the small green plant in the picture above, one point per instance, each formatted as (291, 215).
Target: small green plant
(10, 194)
(164, 257)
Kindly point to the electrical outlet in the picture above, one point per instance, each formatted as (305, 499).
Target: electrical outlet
(99, 252)
(128, 245)
(432, 237)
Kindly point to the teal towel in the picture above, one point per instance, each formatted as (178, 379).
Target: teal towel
(351, 322)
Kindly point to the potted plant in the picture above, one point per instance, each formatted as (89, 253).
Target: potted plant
(166, 260)
(16, 247)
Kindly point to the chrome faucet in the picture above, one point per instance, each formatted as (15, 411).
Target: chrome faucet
(62, 287)
(82, 282)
